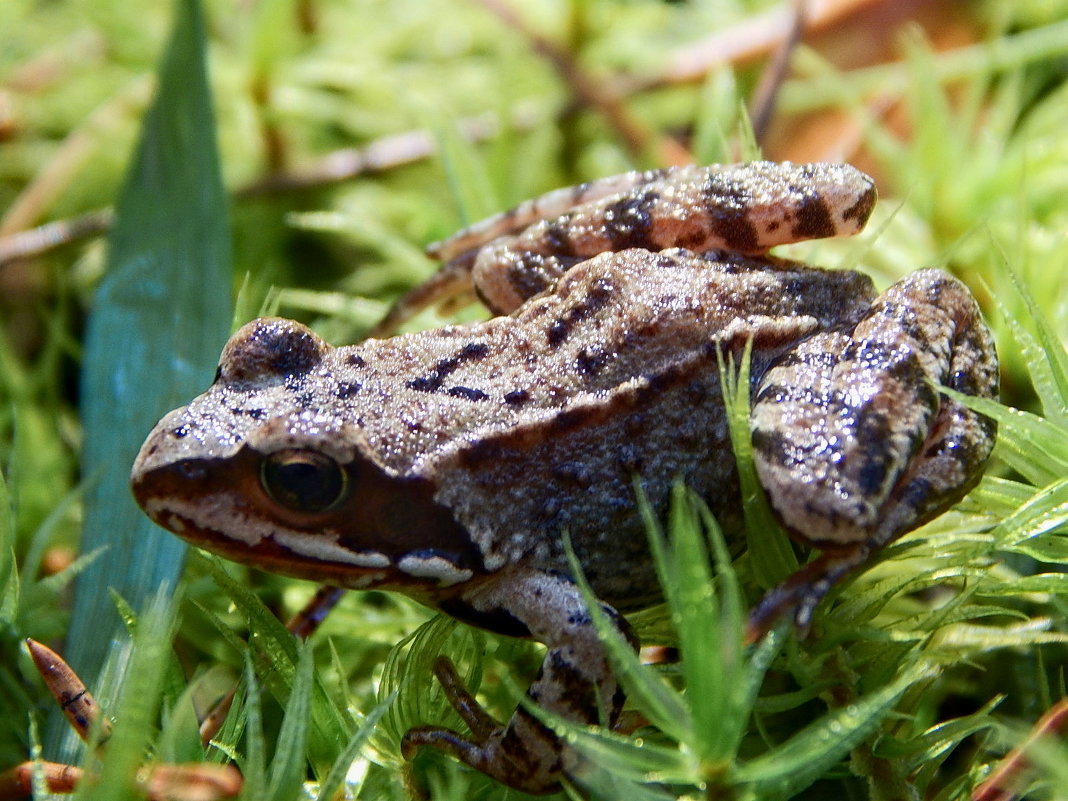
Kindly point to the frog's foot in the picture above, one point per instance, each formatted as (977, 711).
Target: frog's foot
(575, 682)
(853, 441)
(513, 755)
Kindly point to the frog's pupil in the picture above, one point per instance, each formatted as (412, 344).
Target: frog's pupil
(304, 481)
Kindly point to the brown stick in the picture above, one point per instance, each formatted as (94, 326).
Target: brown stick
(592, 92)
(762, 106)
(1002, 784)
(746, 41)
(18, 782)
(752, 38)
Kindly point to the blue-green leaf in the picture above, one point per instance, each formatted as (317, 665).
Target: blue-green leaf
(158, 321)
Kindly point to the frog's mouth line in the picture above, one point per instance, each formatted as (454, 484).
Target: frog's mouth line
(316, 556)
(297, 555)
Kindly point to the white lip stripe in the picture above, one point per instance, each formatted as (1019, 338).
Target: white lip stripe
(204, 513)
(215, 513)
(434, 567)
(324, 548)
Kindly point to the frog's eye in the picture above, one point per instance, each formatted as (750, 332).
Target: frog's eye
(303, 480)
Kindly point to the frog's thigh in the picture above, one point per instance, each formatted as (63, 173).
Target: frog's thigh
(852, 442)
(506, 275)
(575, 681)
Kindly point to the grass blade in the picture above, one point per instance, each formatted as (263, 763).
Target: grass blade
(160, 316)
(287, 770)
(803, 758)
(331, 785)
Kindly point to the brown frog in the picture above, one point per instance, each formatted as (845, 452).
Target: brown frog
(448, 464)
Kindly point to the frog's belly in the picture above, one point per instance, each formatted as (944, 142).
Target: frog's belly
(519, 491)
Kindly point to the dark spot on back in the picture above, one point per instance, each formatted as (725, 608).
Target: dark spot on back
(433, 381)
(627, 221)
(467, 393)
(557, 333)
(347, 389)
(473, 350)
(596, 298)
(517, 397)
(814, 219)
(590, 360)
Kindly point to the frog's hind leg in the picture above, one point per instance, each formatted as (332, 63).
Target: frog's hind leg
(450, 284)
(853, 441)
(451, 287)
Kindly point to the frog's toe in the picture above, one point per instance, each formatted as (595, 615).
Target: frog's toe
(481, 723)
(801, 593)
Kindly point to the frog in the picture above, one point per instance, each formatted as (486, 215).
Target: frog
(459, 465)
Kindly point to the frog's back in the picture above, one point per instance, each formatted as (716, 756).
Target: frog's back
(612, 323)
(554, 411)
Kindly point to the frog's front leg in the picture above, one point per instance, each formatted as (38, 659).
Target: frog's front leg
(575, 681)
(853, 442)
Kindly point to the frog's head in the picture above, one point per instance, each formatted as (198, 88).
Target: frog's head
(270, 467)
